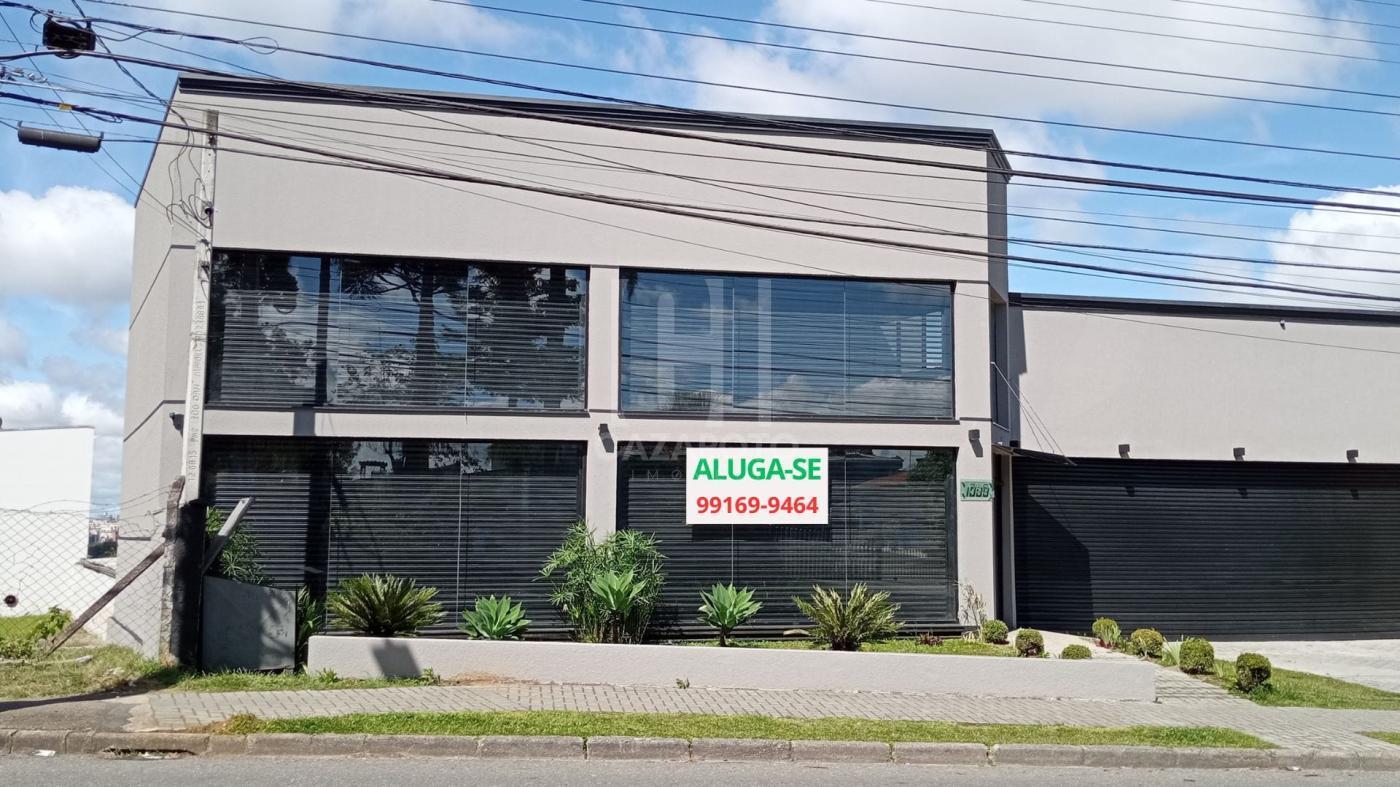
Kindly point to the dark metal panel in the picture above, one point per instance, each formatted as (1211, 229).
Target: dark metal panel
(1242, 549)
(890, 526)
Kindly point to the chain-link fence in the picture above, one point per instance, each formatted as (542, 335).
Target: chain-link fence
(55, 563)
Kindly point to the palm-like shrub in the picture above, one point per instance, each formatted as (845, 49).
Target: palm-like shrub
(579, 560)
(846, 623)
(494, 618)
(241, 559)
(725, 608)
(383, 606)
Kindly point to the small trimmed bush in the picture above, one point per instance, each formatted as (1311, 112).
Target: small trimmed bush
(1252, 671)
(1146, 642)
(1107, 632)
(995, 631)
(1030, 643)
(1197, 657)
(1076, 652)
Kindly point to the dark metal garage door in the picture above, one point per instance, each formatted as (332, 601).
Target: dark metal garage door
(1243, 549)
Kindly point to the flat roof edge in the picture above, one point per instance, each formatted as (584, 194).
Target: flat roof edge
(1258, 311)
(953, 136)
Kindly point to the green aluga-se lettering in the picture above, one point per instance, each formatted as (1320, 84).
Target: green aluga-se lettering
(776, 469)
(703, 469)
(814, 468)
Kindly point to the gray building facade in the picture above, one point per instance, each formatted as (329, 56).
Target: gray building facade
(435, 377)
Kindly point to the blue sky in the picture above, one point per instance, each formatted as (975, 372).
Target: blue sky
(65, 217)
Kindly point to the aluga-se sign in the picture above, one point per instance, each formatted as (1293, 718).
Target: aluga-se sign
(755, 486)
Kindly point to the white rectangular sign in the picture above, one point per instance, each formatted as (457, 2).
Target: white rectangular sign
(755, 486)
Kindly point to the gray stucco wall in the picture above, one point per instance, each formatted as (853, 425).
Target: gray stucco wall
(263, 203)
(1196, 387)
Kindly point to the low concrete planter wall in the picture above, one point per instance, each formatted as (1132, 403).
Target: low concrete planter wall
(734, 668)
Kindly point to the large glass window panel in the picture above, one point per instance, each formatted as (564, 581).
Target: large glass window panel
(751, 346)
(397, 333)
(264, 345)
(890, 526)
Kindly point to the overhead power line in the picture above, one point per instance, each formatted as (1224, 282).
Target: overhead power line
(774, 91)
(402, 168)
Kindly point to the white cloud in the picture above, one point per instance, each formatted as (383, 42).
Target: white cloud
(28, 403)
(14, 344)
(31, 403)
(71, 245)
(988, 92)
(1373, 241)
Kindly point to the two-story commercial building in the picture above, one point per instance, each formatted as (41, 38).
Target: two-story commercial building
(431, 331)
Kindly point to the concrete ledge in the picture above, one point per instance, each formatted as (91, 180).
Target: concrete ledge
(301, 744)
(608, 747)
(1036, 754)
(840, 751)
(740, 750)
(5, 736)
(30, 741)
(1130, 757)
(532, 747)
(735, 668)
(421, 746)
(941, 754)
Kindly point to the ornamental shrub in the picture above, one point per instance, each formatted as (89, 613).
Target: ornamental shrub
(1108, 633)
(1030, 643)
(241, 559)
(494, 618)
(1196, 657)
(1146, 642)
(383, 606)
(1252, 672)
(995, 631)
(572, 569)
(847, 623)
(726, 608)
(1076, 652)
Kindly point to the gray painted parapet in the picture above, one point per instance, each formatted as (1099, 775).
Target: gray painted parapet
(734, 668)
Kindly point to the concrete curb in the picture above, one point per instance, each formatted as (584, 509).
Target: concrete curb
(32, 742)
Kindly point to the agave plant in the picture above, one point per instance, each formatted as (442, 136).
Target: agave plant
(616, 594)
(494, 618)
(572, 568)
(724, 608)
(383, 606)
(846, 623)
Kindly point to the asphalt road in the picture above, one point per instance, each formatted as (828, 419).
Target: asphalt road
(293, 772)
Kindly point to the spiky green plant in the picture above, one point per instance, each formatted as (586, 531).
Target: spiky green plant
(1107, 632)
(241, 559)
(311, 616)
(494, 618)
(846, 623)
(616, 594)
(726, 608)
(580, 559)
(383, 606)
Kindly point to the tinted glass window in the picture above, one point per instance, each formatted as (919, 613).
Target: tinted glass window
(390, 332)
(785, 346)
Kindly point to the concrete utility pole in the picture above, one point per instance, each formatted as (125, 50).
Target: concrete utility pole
(199, 311)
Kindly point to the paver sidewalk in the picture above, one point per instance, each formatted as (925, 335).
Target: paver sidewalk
(1184, 702)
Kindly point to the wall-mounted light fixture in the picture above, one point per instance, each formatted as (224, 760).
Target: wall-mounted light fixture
(1123, 449)
(605, 435)
(974, 435)
(1239, 452)
(1353, 454)
(178, 419)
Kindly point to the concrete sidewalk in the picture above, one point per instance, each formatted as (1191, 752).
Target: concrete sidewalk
(1185, 702)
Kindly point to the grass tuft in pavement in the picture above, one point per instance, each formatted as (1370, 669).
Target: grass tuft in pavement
(1290, 689)
(284, 681)
(691, 726)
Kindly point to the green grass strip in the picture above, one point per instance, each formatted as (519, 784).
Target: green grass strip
(1290, 689)
(691, 726)
(1388, 737)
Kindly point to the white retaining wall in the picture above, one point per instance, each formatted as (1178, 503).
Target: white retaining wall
(736, 668)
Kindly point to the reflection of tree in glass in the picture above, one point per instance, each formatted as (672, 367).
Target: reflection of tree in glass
(261, 326)
(524, 335)
(423, 282)
(933, 467)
